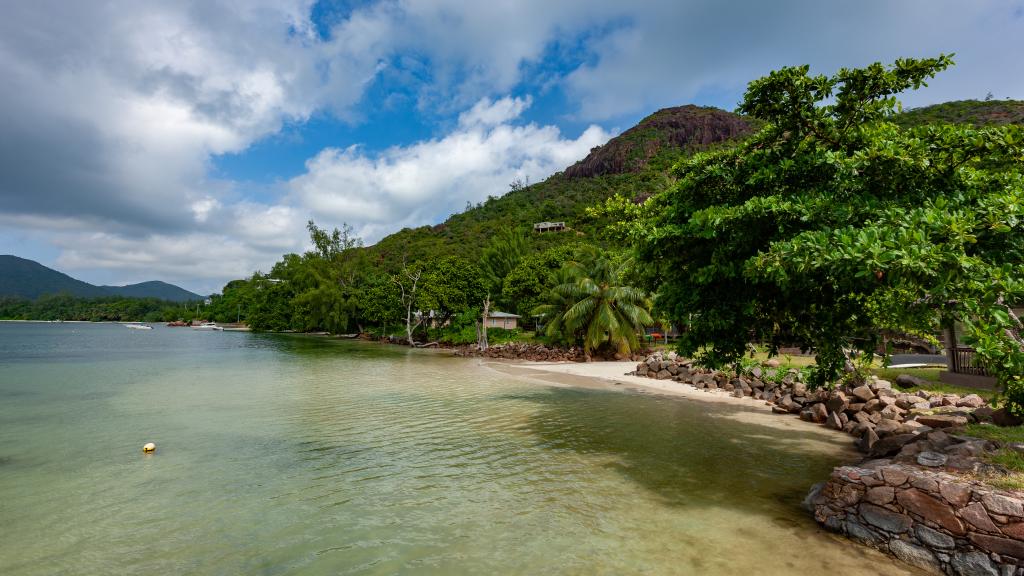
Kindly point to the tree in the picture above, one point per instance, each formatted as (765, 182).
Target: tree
(832, 224)
(594, 307)
(498, 259)
(408, 283)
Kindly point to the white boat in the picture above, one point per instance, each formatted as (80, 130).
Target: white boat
(138, 326)
(207, 326)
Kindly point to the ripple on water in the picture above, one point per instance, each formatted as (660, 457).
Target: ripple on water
(300, 455)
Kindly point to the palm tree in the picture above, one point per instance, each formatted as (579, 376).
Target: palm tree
(594, 306)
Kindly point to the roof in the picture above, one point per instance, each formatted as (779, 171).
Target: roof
(502, 315)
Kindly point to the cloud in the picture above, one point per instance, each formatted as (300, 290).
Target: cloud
(111, 113)
(677, 52)
(421, 183)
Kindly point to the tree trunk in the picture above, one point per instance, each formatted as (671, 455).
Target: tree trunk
(482, 344)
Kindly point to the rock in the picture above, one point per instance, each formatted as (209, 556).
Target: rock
(884, 518)
(891, 444)
(976, 515)
(854, 407)
(973, 564)
(924, 483)
(934, 538)
(955, 493)
(663, 375)
(914, 555)
(756, 372)
(999, 545)
(970, 448)
(970, 401)
(908, 381)
(1002, 417)
(933, 459)
(1014, 530)
(941, 420)
(886, 428)
(939, 440)
(833, 421)
(893, 476)
(931, 509)
(873, 405)
(819, 413)
(868, 440)
(837, 402)
(861, 417)
(880, 495)
(779, 410)
(984, 413)
(999, 504)
(863, 393)
(860, 532)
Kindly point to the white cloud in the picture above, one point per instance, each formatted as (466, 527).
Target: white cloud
(423, 182)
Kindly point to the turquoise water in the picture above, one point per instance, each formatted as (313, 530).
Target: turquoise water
(299, 455)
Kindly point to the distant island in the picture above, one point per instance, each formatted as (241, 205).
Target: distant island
(23, 278)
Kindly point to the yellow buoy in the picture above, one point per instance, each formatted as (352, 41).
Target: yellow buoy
(149, 448)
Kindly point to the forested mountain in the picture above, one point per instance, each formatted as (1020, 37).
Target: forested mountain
(153, 289)
(28, 279)
(636, 164)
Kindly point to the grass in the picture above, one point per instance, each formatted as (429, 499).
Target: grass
(994, 433)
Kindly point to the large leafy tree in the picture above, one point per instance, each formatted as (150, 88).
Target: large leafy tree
(833, 223)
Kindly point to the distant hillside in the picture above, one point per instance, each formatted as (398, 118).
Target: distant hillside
(636, 164)
(976, 112)
(29, 279)
(680, 129)
(154, 289)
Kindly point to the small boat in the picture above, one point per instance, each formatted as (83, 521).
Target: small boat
(138, 326)
(207, 326)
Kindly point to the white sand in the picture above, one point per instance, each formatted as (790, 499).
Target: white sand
(612, 376)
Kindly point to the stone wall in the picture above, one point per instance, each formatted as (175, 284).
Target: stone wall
(930, 519)
(915, 496)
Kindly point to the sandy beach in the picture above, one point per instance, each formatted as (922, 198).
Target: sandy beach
(612, 376)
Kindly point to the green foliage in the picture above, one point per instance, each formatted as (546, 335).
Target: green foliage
(593, 307)
(833, 223)
(64, 306)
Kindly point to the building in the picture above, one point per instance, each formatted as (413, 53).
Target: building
(502, 320)
(549, 227)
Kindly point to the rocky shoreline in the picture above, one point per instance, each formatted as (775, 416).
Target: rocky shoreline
(916, 495)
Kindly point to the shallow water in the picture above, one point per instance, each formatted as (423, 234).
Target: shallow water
(300, 455)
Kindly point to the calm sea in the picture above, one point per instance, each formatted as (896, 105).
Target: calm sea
(299, 455)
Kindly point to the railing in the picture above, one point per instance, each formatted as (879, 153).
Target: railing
(963, 362)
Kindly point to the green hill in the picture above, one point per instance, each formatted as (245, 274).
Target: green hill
(154, 289)
(976, 112)
(637, 164)
(28, 279)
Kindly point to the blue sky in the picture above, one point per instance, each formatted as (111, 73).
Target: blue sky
(190, 141)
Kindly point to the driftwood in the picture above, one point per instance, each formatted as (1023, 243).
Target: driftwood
(427, 345)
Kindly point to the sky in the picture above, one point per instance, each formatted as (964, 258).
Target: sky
(191, 141)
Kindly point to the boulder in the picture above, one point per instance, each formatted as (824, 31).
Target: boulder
(976, 515)
(973, 564)
(868, 440)
(863, 393)
(932, 459)
(833, 421)
(890, 444)
(934, 538)
(884, 518)
(915, 555)
(819, 413)
(999, 504)
(931, 509)
(970, 401)
(1002, 417)
(941, 420)
(837, 402)
(999, 545)
(908, 381)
